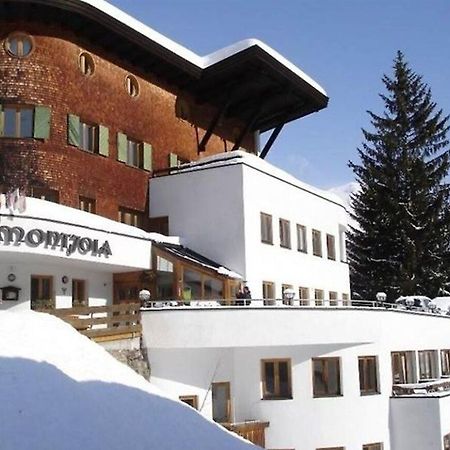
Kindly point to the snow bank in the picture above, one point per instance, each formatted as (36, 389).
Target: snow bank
(59, 390)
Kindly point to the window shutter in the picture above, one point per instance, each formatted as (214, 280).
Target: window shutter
(173, 160)
(73, 130)
(122, 147)
(147, 156)
(2, 121)
(103, 140)
(42, 115)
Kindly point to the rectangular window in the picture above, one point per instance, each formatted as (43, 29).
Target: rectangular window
(42, 292)
(447, 442)
(18, 121)
(303, 295)
(79, 294)
(428, 364)
(88, 137)
(266, 229)
(51, 195)
(191, 400)
(317, 242)
(333, 298)
(368, 375)
(342, 243)
(331, 448)
(134, 153)
(276, 379)
(331, 247)
(301, 239)
(403, 367)
(131, 217)
(87, 204)
(346, 299)
(285, 233)
(268, 293)
(445, 363)
(326, 377)
(318, 296)
(377, 446)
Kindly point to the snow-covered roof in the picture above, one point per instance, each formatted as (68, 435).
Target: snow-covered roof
(60, 390)
(255, 162)
(201, 62)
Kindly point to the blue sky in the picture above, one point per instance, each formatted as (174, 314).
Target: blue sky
(345, 45)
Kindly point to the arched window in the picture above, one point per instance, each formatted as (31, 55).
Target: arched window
(132, 86)
(86, 64)
(19, 45)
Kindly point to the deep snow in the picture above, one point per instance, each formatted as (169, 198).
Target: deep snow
(60, 391)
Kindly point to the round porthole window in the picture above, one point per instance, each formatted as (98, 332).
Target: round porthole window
(19, 45)
(132, 86)
(86, 64)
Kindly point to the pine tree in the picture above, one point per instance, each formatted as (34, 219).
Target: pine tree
(400, 244)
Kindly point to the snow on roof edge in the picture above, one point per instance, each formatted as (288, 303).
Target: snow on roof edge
(202, 62)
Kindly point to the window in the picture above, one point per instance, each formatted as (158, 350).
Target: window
(268, 293)
(276, 379)
(447, 442)
(42, 292)
(285, 233)
(191, 400)
(133, 152)
(301, 239)
(318, 296)
(18, 44)
(175, 161)
(303, 295)
(368, 375)
(87, 136)
(331, 247)
(403, 367)
(132, 86)
(326, 377)
(377, 446)
(266, 229)
(445, 363)
(86, 64)
(333, 298)
(346, 299)
(131, 217)
(87, 204)
(51, 195)
(342, 243)
(79, 297)
(317, 242)
(428, 367)
(18, 121)
(221, 402)
(331, 448)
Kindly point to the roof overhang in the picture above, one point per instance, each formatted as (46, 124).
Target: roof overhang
(263, 85)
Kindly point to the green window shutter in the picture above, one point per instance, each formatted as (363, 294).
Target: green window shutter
(103, 140)
(2, 121)
(73, 130)
(147, 156)
(173, 160)
(42, 115)
(122, 147)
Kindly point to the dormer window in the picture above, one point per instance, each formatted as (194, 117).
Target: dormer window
(19, 45)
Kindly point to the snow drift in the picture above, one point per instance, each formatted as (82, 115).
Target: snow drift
(59, 390)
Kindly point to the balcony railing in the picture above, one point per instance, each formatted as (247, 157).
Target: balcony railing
(422, 389)
(284, 303)
(254, 431)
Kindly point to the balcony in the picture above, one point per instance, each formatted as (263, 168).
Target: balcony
(253, 430)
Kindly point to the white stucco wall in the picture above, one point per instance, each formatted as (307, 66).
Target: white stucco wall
(203, 337)
(217, 211)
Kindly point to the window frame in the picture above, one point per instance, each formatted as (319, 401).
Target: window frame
(445, 362)
(302, 231)
(47, 194)
(265, 395)
(317, 240)
(265, 286)
(373, 446)
(90, 202)
(93, 137)
(132, 86)
(319, 297)
(137, 148)
(138, 216)
(285, 233)
(86, 64)
(410, 366)
(325, 361)
(364, 375)
(191, 400)
(51, 300)
(77, 286)
(331, 247)
(266, 220)
(18, 109)
(432, 360)
(20, 36)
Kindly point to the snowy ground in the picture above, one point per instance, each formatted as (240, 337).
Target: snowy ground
(60, 391)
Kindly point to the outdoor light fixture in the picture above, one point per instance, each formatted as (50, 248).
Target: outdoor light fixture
(144, 297)
(381, 297)
(289, 294)
(409, 303)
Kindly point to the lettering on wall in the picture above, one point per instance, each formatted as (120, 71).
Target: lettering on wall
(69, 243)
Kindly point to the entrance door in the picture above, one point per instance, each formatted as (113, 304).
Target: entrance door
(42, 292)
(221, 402)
